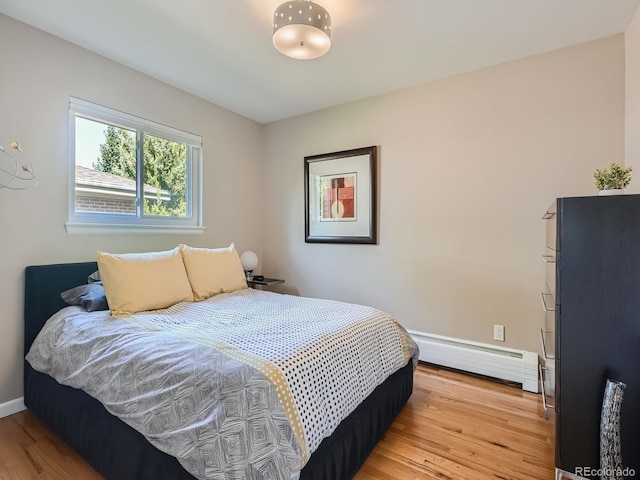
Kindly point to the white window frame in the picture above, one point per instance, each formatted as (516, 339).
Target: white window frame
(101, 223)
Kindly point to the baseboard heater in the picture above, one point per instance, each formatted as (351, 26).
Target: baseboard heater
(503, 363)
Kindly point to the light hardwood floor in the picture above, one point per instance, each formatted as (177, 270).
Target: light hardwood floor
(455, 426)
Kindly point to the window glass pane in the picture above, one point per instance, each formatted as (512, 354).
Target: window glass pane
(105, 168)
(165, 177)
(131, 174)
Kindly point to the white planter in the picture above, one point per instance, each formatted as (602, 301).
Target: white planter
(615, 191)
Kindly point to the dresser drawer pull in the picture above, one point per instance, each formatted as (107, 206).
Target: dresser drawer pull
(544, 303)
(549, 258)
(544, 345)
(545, 404)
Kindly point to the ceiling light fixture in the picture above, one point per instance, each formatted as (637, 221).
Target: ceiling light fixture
(302, 29)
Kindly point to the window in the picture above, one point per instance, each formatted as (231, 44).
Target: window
(129, 174)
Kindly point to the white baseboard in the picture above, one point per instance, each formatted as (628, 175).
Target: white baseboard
(504, 363)
(11, 407)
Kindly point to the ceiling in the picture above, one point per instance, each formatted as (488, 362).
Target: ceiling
(221, 50)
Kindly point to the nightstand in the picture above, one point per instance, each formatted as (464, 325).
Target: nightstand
(265, 282)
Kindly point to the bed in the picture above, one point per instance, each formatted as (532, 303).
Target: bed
(119, 452)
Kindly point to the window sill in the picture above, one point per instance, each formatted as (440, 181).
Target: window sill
(116, 229)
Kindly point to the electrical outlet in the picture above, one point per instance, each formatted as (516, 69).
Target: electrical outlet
(498, 333)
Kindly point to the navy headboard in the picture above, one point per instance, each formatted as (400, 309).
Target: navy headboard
(42, 288)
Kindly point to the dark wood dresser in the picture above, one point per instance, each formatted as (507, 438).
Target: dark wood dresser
(596, 298)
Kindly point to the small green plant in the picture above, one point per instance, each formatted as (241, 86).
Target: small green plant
(614, 177)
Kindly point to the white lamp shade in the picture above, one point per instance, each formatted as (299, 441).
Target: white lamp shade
(249, 260)
(302, 42)
(302, 29)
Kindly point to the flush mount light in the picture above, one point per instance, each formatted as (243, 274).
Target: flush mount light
(302, 29)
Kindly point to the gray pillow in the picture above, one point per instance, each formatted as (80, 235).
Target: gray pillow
(94, 277)
(90, 296)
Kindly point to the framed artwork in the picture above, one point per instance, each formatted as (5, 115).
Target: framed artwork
(340, 196)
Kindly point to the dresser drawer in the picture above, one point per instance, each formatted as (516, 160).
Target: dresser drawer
(548, 340)
(546, 398)
(550, 218)
(549, 258)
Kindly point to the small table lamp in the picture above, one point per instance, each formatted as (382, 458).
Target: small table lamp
(249, 261)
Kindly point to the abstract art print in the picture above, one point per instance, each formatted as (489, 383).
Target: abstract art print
(340, 196)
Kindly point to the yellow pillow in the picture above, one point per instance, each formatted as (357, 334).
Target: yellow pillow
(135, 282)
(213, 270)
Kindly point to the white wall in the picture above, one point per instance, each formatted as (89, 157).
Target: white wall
(632, 101)
(468, 166)
(38, 73)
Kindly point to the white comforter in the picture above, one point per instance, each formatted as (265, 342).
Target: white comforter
(242, 385)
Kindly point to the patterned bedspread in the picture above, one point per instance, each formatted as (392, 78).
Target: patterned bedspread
(243, 385)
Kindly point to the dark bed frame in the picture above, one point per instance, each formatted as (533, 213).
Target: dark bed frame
(119, 452)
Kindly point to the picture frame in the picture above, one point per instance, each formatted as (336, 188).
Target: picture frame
(340, 190)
